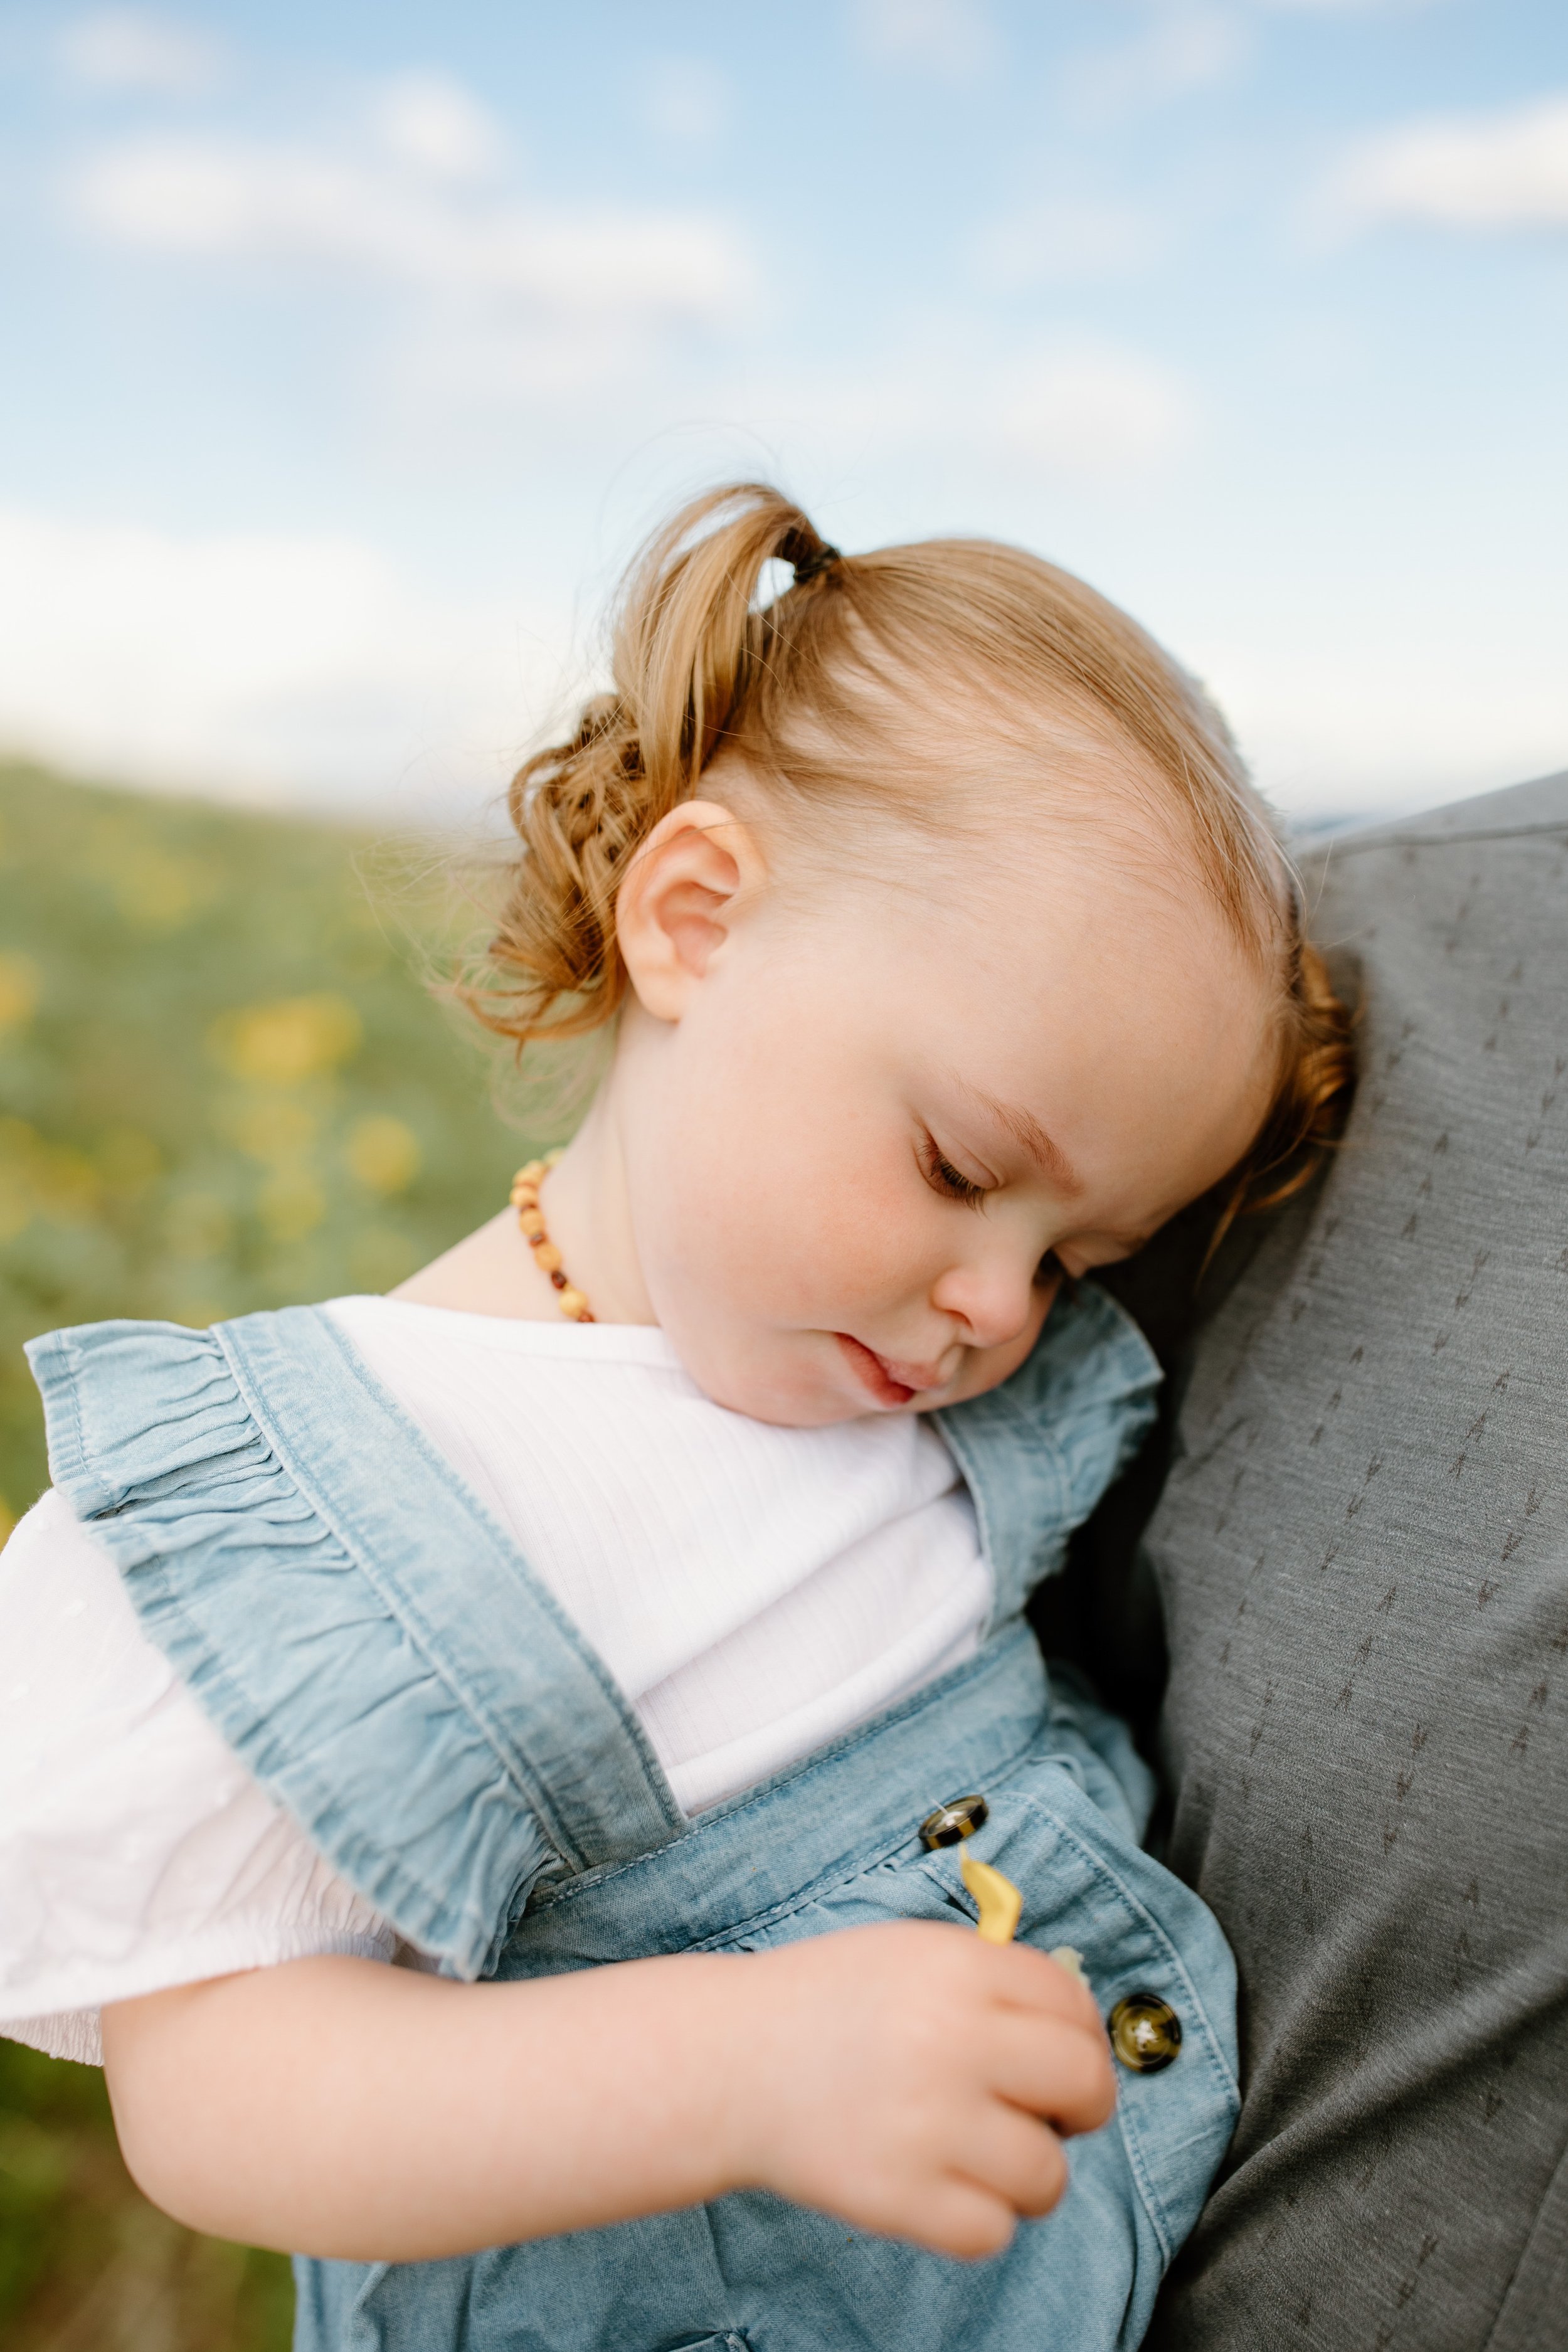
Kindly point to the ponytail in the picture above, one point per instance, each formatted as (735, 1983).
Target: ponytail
(685, 647)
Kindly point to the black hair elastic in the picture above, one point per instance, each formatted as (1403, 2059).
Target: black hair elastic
(819, 561)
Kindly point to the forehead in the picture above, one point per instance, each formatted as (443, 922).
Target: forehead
(1088, 998)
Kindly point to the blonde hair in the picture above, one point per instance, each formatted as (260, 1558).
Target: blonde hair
(811, 688)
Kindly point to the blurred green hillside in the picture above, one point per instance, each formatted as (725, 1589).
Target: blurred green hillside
(222, 1087)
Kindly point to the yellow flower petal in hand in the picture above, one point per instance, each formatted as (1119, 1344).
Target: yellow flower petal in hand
(999, 1900)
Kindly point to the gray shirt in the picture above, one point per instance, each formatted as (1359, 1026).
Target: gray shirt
(1362, 1557)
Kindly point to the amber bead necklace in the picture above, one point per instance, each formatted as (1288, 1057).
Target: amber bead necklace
(525, 1184)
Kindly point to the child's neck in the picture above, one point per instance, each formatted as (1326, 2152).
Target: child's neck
(587, 1210)
(587, 1206)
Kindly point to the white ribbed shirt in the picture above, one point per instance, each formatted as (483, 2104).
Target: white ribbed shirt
(754, 1591)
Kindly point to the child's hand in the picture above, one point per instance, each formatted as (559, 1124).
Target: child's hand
(914, 2080)
(911, 2078)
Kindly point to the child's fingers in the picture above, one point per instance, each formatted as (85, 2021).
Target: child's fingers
(959, 2217)
(1016, 2157)
(1026, 1978)
(1057, 2071)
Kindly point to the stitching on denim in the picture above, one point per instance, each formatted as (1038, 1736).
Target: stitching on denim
(1136, 1373)
(225, 1683)
(471, 1504)
(520, 1768)
(1214, 2059)
(1153, 2203)
(832, 1873)
(1152, 1924)
(833, 1877)
(60, 1388)
(539, 1592)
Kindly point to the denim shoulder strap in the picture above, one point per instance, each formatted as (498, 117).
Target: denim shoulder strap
(364, 1636)
(1038, 1452)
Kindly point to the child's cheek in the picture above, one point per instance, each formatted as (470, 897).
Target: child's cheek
(792, 1237)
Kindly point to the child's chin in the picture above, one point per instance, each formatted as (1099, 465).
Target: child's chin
(788, 1395)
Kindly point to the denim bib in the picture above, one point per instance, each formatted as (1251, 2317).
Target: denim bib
(387, 1664)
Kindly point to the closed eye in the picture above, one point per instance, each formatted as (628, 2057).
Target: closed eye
(950, 1181)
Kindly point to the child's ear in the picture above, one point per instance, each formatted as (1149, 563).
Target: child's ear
(683, 891)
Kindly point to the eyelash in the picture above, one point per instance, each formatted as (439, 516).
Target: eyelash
(943, 1177)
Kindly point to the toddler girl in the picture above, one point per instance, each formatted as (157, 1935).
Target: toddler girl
(620, 1626)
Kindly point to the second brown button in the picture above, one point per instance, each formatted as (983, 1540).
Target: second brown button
(1146, 2031)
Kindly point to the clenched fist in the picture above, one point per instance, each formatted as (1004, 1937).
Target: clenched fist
(914, 2080)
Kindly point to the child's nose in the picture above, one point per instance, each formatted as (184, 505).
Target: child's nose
(993, 1298)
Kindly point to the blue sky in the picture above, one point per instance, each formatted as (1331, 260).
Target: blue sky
(351, 348)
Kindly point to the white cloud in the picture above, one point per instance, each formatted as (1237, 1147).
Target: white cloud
(432, 123)
(312, 669)
(688, 101)
(129, 48)
(1384, 715)
(1093, 409)
(1075, 408)
(1334, 7)
(273, 665)
(1064, 240)
(1506, 169)
(953, 40)
(221, 199)
(1182, 49)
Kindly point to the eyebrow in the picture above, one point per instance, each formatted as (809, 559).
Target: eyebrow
(1026, 1129)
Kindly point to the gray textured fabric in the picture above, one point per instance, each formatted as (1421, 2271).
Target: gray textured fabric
(1362, 1553)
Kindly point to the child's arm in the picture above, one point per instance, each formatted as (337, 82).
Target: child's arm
(910, 2078)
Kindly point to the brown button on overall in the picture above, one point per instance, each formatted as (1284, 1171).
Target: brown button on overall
(1146, 2031)
(951, 1823)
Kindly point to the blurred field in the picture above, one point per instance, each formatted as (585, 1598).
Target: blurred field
(221, 1087)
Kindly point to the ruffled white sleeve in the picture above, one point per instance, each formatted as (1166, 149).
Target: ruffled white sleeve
(136, 1851)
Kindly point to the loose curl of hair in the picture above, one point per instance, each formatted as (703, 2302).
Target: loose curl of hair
(811, 687)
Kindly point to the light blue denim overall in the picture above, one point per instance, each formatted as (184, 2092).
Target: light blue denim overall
(389, 1667)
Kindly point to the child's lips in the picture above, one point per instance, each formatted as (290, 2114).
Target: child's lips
(890, 1383)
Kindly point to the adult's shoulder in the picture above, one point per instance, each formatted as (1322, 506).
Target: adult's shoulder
(1360, 1553)
(1522, 810)
(1395, 880)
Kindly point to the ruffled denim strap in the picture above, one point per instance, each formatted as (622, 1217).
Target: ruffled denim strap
(367, 1640)
(379, 1653)
(1039, 1452)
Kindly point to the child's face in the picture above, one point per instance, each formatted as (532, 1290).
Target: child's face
(871, 1135)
